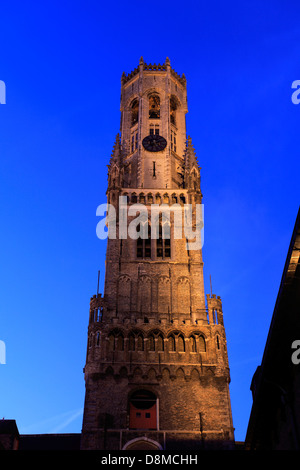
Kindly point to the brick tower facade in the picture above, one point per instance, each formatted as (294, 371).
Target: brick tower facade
(156, 373)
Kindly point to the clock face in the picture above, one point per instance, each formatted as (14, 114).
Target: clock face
(154, 143)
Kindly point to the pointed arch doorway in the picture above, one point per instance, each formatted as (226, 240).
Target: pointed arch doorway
(142, 443)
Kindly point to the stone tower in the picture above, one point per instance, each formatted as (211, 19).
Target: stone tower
(156, 373)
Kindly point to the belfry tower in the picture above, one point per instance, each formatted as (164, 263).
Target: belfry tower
(156, 373)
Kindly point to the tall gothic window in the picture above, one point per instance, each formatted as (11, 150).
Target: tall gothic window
(154, 107)
(115, 341)
(193, 344)
(163, 245)
(151, 342)
(111, 342)
(134, 112)
(134, 140)
(120, 343)
(131, 342)
(171, 343)
(140, 343)
(173, 108)
(173, 141)
(160, 343)
(202, 346)
(143, 245)
(181, 345)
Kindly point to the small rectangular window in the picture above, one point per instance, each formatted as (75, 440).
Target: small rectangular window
(143, 247)
(148, 415)
(139, 248)
(134, 141)
(173, 141)
(163, 245)
(159, 248)
(148, 248)
(167, 248)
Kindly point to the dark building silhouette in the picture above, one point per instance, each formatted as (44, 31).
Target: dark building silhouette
(275, 416)
(10, 439)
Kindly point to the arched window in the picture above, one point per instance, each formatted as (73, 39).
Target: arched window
(174, 198)
(111, 342)
(140, 343)
(202, 345)
(98, 312)
(181, 345)
(143, 245)
(181, 199)
(173, 109)
(131, 342)
(143, 410)
(173, 140)
(134, 112)
(193, 344)
(171, 343)
(163, 245)
(151, 342)
(215, 316)
(98, 338)
(154, 106)
(120, 342)
(160, 343)
(134, 142)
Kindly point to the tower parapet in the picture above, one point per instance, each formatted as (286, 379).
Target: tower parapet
(153, 68)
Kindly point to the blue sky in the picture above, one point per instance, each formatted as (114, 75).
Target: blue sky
(62, 64)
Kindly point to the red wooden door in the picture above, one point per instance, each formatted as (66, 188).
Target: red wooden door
(142, 418)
